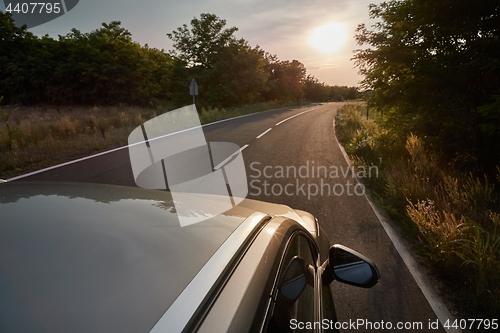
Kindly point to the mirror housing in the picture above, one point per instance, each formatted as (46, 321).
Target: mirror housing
(348, 266)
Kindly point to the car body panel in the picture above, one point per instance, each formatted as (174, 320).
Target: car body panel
(247, 294)
(93, 254)
(305, 219)
(180, 312)
(86, 257)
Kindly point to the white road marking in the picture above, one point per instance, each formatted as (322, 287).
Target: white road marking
(263, 133)
(64, 164)
(298, 114)
(422, 280)
(218, 166)
(245, 115)
(124, 147)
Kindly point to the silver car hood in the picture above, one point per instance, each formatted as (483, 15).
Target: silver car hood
(86, 257)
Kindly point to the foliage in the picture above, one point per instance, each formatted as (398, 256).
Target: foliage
(243, 84)
(451, 217)
(434, 68)
(208, 49)
(106, 67)
(101, 67)
(285, 79)
(202, 44)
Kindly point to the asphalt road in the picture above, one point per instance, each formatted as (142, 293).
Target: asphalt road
(304, 142)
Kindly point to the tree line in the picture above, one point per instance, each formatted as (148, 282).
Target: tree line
(107, 67)
(434, 67)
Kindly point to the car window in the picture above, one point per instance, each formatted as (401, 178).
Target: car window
(295, 301)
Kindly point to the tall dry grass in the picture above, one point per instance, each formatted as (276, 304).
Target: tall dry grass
(31, 138)
(35, 137)
(453, 219)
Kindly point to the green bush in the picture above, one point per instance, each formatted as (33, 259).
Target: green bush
(453, 219)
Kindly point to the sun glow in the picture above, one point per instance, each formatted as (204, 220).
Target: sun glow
(329, 38)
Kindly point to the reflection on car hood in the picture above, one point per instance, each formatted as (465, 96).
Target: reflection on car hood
(81, 257)
(97, 258)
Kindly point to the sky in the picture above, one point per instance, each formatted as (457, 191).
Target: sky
(281, 27)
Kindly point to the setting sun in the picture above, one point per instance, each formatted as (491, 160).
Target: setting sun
(330, 37)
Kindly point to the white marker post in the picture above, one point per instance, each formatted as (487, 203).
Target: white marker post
(193, 88)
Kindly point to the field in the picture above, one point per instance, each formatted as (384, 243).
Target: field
(32, 138)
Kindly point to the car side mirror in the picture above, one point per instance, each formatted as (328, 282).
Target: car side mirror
(297, 276)
(348, 266)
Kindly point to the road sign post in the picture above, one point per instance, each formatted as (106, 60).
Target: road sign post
(193, 88)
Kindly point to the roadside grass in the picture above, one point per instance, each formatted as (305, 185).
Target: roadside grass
(451, 219)
(32, 138)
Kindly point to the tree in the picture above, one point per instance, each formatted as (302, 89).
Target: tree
(286, 79)
(237, 77)
(200, 45)
(228, 71)
(314, 90)
(16, 56)
(104, 66)
(434, 68)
